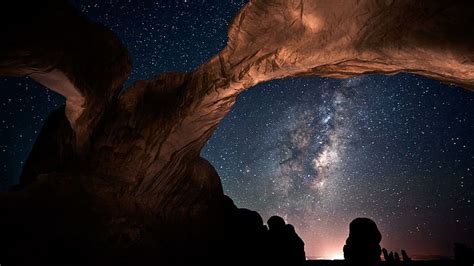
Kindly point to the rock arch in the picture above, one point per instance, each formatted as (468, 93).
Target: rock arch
(134, 157)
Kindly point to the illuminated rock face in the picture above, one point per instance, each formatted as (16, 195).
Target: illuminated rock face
(131, 162)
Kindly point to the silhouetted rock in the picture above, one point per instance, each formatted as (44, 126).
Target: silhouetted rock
(393, 258)
(405, 256)
(362, 246)
(397, 257)
(285, 247)
(276, 224)
(387, 256)
(463, 254)
(248, 238)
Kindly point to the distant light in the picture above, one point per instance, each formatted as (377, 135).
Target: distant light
(337, 256)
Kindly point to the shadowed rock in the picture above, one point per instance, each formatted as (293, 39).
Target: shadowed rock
(405, 256)
(362, 246)
(463, 254)
(394, 259)
(285, 247)
(249, 236)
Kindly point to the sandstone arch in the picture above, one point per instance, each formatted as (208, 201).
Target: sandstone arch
(134, 157)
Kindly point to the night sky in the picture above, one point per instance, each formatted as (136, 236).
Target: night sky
(317, 151)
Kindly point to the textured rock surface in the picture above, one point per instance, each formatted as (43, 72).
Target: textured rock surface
(59, 47)
(125, 168)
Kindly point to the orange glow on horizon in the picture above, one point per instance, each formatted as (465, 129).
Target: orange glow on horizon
(332, 256)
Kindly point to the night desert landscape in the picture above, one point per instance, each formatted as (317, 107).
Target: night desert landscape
(237, 132)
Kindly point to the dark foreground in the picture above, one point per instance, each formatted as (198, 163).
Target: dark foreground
(415, 263)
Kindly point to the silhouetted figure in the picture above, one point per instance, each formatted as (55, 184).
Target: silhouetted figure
(285, 247)
(362, 246)
(463, 254)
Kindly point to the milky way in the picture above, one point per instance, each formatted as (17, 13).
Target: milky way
(310, 150)
(319, 152)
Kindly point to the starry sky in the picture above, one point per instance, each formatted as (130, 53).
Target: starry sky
(317, 151)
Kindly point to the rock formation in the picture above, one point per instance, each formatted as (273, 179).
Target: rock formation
(463, 254)
(405, 256)
(284, 245)
(394, 259)
(119, 175)
(363, 244)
